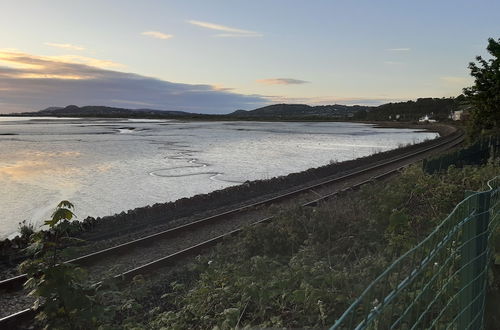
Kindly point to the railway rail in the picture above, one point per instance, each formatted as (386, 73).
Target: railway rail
(229, 223)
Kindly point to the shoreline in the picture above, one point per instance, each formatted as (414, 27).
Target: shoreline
(167, 213)
(281, 182)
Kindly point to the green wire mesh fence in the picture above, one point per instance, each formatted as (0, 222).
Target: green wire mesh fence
(439, 284)
(477, 153)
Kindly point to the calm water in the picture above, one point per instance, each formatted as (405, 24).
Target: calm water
(107, 166)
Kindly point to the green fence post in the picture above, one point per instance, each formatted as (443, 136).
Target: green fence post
(481, 260)
(474, 262)
(466, 256)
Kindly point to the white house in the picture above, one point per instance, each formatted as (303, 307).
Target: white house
(426, 119)
(457, 115)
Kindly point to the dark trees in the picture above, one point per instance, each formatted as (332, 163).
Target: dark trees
(485, 94)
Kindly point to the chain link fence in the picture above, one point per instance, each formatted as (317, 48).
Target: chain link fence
(475, 154)
(439, 284)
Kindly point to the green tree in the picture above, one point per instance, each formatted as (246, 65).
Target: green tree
(485, 94)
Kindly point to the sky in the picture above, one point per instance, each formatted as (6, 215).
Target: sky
(219, 56)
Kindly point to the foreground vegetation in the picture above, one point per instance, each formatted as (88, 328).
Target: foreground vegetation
(301, 270)
(305, 268)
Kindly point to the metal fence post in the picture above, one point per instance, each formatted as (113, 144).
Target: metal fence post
(474, 262)
(481, 260)
(466, 255)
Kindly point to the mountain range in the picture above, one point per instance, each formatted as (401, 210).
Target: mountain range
(439, 108)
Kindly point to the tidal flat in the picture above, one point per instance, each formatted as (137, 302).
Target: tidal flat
(105, 166)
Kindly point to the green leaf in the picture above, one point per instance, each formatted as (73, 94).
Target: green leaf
(58, 215)
(66, 204)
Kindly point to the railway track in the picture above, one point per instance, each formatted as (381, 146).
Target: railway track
(165, 248)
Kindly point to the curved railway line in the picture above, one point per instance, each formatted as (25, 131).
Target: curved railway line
(165, 248)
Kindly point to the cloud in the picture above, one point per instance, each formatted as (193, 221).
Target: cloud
(235, 35)
(103, 64)
(64, 46)
(393, 63)
(218, 87)
(281, 81)
(229, 31)
(157, 35)
(329, 100)
(456, 80)
(129, 102)
(17, 59)
(30, 82)
(398, 49)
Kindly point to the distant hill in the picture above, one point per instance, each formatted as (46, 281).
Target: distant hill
(301, 111)
(435, 108)
(276, 111)
(102, 111)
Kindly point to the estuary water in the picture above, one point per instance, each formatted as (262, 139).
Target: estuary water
(105, 166)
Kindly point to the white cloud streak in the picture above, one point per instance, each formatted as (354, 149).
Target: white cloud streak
(456, 80)
(64, 46)
(329, 100)
(233, 35)
(157, 35)
(230, 32)
(393, 63)
(104, 64)
(281, 81)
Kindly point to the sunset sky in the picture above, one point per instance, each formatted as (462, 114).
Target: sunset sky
(220, 56)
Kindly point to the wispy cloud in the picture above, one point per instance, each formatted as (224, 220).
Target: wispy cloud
(456, 80)
(235, 35)
(104, 64)
(30, 82)
(16, 59)
(229, 31)
(64, 46)
(129, 102)
(157, 35)
(218, 87)
(398, 49)
(281, 81)
(330, 100)
(393, 63)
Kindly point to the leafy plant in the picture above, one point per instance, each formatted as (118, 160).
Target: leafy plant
(63, 299)
(26, 229)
